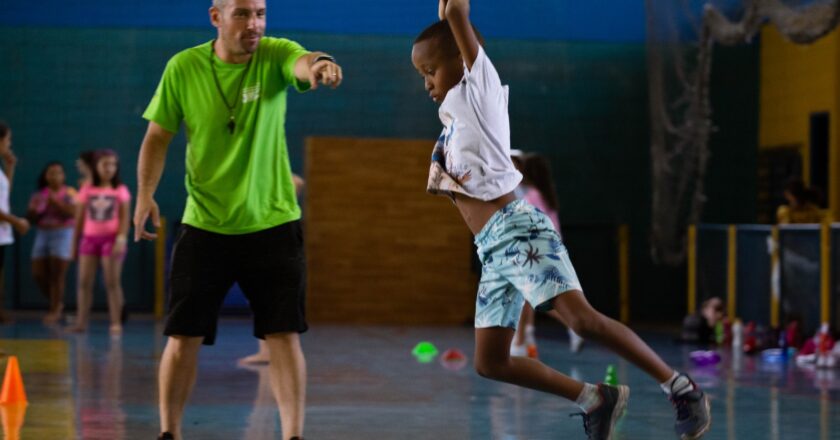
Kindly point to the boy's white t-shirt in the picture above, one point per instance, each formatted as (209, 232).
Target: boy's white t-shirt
(472, 154)
(6, 236)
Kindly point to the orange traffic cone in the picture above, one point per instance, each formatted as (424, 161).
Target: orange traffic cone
(12, 416)
(12, 391)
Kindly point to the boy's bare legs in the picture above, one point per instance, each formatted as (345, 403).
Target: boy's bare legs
(601, 405)
(577, 314)
(693, 410)
(493, 361)
(178, 369)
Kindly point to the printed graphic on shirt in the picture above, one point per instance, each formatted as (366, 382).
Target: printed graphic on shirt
(102, 208)
(250, 94)
(446, 176)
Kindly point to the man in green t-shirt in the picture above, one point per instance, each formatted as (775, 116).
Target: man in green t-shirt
(241, 221)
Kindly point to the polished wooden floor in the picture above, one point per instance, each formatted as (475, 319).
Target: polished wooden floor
(365, 384)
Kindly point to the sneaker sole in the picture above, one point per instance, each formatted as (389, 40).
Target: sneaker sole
(705, 427)
(620, 408)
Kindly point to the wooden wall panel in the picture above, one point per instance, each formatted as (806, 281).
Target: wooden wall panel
(380, 250)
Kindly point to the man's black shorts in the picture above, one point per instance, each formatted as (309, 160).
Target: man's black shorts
(269, 266)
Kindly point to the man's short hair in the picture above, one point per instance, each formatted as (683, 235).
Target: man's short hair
(442, 35)
(219, 3)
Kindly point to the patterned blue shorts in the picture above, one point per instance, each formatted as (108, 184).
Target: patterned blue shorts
(522, 258)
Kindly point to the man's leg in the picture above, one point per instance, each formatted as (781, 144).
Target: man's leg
(272, 276)
(178, 368)
(288, 380)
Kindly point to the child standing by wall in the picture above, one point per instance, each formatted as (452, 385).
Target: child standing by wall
(521, 254)
(52, 209)
(102, 221)
(8, 221)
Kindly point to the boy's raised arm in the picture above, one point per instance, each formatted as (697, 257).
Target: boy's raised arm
(457, 13)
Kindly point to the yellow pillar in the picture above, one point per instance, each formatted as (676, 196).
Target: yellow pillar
(731, 273)
(624, 271)
(160, 268)
(692, 269)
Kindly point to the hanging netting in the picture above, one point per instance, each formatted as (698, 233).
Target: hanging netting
(680, 42)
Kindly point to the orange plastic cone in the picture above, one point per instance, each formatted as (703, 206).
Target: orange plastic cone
(13, 391)
(12, 416)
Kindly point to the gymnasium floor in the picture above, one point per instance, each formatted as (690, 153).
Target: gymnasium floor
(364, 384)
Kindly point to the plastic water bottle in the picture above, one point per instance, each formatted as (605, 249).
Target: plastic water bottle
(737, 336)
(824, 357)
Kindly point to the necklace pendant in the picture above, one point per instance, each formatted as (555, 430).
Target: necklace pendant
(231, 125)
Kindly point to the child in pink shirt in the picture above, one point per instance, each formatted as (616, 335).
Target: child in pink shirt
(101, 236)
(52, 209)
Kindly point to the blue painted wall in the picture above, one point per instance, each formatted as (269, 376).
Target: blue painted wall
(600, 20)
(79, 76)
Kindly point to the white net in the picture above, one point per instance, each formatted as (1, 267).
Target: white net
(679, 65)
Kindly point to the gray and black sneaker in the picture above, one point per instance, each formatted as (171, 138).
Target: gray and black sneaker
(600, 422)
(166, 436)
(693, 413)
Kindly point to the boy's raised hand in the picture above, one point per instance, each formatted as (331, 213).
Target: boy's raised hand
(447, 5)
(457, 12)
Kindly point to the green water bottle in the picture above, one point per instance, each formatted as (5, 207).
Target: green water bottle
(719, 333)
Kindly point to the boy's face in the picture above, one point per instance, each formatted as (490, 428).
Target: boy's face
(440, 73)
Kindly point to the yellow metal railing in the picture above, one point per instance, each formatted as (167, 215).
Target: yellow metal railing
(160, 268)
(825, 257)
(692, 269)
(731, 269)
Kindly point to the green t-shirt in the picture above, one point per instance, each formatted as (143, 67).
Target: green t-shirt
(242, 182)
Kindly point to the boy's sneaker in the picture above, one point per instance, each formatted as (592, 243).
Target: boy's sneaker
(600, 422)
(166, 436)
(693, 413)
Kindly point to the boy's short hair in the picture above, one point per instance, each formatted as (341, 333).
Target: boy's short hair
(443, 36)
(4, 130)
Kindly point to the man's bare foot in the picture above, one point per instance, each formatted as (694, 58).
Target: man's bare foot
(115, 330)
(258, 358)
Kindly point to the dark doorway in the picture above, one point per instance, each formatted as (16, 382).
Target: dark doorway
(776, 165)
(819, 155)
